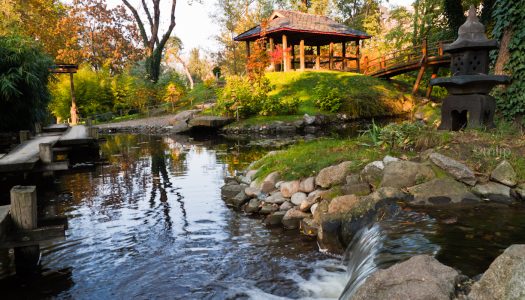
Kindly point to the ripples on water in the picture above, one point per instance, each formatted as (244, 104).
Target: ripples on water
(151, 224)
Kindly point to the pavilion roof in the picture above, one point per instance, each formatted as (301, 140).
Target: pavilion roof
(294, 21)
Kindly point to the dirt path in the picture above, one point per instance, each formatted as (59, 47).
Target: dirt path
(172, 123)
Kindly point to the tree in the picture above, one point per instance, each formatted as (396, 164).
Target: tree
(173, 48)
(455, 14)
(198, 66)
(23, 83)
(154, 43)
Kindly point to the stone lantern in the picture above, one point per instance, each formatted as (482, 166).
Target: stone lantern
(468, 104)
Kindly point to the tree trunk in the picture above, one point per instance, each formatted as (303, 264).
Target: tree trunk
(503, 55)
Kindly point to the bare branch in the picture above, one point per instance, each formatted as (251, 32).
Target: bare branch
(148, 14)
(172, 25)
(135, 13)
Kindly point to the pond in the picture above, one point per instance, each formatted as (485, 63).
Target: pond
(150, 223)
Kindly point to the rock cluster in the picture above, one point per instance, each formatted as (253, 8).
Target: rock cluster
(320, 205)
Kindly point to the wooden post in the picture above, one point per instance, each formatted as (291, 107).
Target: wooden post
(73, 111)
(366, 65)
(357, 56)
(24, 217)
(435, 70)
(285, 54)
(343, 45)
(46, 153)
(293, 57)
(301, 55)
(38, 128)
(331, 56)
(24, 135)
(247, 54)
(89, 122)
(272, 63)
(318, 58)
(93, 132)
(418, 79)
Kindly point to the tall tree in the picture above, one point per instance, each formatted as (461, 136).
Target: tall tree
(154, 42)
(173, 49)
(455, 14)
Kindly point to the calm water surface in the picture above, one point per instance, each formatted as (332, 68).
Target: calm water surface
(151, 224)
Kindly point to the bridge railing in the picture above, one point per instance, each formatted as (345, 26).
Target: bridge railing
(410, 55)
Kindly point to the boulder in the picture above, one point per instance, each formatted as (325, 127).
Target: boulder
(276, 198)
(268, 208)
(388, 159)
(269, 182)
(360, 189)
(287, 205)
(308, 202)
(504, 279)
(275, 218)
(307, 226)
(333, 175)
(494, 192)
(308, 120)
(253, 206)
(386, 194)
(353, 179)
(239, 199)
(401, 174)
(307, 185)
(298, 198)
(289, 188)
(520, 191)
(249, 177)
(421, 277)
(504, 174)
(372, 173)
(293, 217)
(441, 191)
(314, 208)
(252, 191)
(278, 184)
(342, 204)
(458, 170)
(231, 190)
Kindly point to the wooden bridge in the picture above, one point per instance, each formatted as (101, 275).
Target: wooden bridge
(415, 58)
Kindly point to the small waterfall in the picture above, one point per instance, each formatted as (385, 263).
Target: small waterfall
(360, 257)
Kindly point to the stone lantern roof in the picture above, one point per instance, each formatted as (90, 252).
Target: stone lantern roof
(471, 35)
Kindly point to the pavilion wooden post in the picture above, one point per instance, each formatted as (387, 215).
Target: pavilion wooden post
(285, 54)
(343, 45)
(293, 57)
(318, 58)
(301, 55)
(24, 217)
(272, 63)
(357, 56)
(247, 54)
(73, 111)
(331, 56)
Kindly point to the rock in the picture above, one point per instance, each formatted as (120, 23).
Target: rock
(372, 173)
(308, 202)
(494, 192)
(269, 182)
(210, 121)
(278, 184)
(504, 174)
(331, 193)
(252, 191)
(314, 208)
(342, 204)
(419, 278)
(253, 206)
(458, 170)
(239, 199)
(248, 177)
(388, 159)
(320, 210)
(298, 198)
(293, 217)
(276, 198)
(289, 188)
(308, 120)
(307, 185)
(333, 175)
(353, 179)
(504, 279)
(256, 184)
(307, 226)
(425, 155)
(442, 191)
(231, 190)
(360, 189)
(520, 191)
(268, 208)
(275, 218)
(286, 206)
(386, 194)
(401, 174)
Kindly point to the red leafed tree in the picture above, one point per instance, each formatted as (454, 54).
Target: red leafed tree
(258, 61)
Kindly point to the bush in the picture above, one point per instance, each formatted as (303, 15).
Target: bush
(23, 83)
(327, 98)
(276, 106)
(403, 136)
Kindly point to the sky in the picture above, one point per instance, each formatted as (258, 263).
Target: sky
(196, 28)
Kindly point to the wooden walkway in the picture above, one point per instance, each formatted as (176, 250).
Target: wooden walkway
(420, 57)
(28, 155)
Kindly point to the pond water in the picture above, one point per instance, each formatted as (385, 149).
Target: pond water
(151, 224)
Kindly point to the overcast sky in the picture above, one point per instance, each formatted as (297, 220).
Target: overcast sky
(196, 28)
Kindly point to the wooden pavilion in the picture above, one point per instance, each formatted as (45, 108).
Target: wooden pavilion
(313, 34)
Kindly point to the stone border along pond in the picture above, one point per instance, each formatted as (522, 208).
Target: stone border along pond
(336, 204)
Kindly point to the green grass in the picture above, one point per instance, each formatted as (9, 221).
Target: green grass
(359, 90)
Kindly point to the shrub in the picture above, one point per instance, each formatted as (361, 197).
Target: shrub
(327, 98)
(23, 83)
(275, 106)
(403, 136)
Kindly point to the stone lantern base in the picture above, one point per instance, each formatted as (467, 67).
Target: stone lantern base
(467, 111)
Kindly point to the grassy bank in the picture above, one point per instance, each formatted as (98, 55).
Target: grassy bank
(482, 151)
